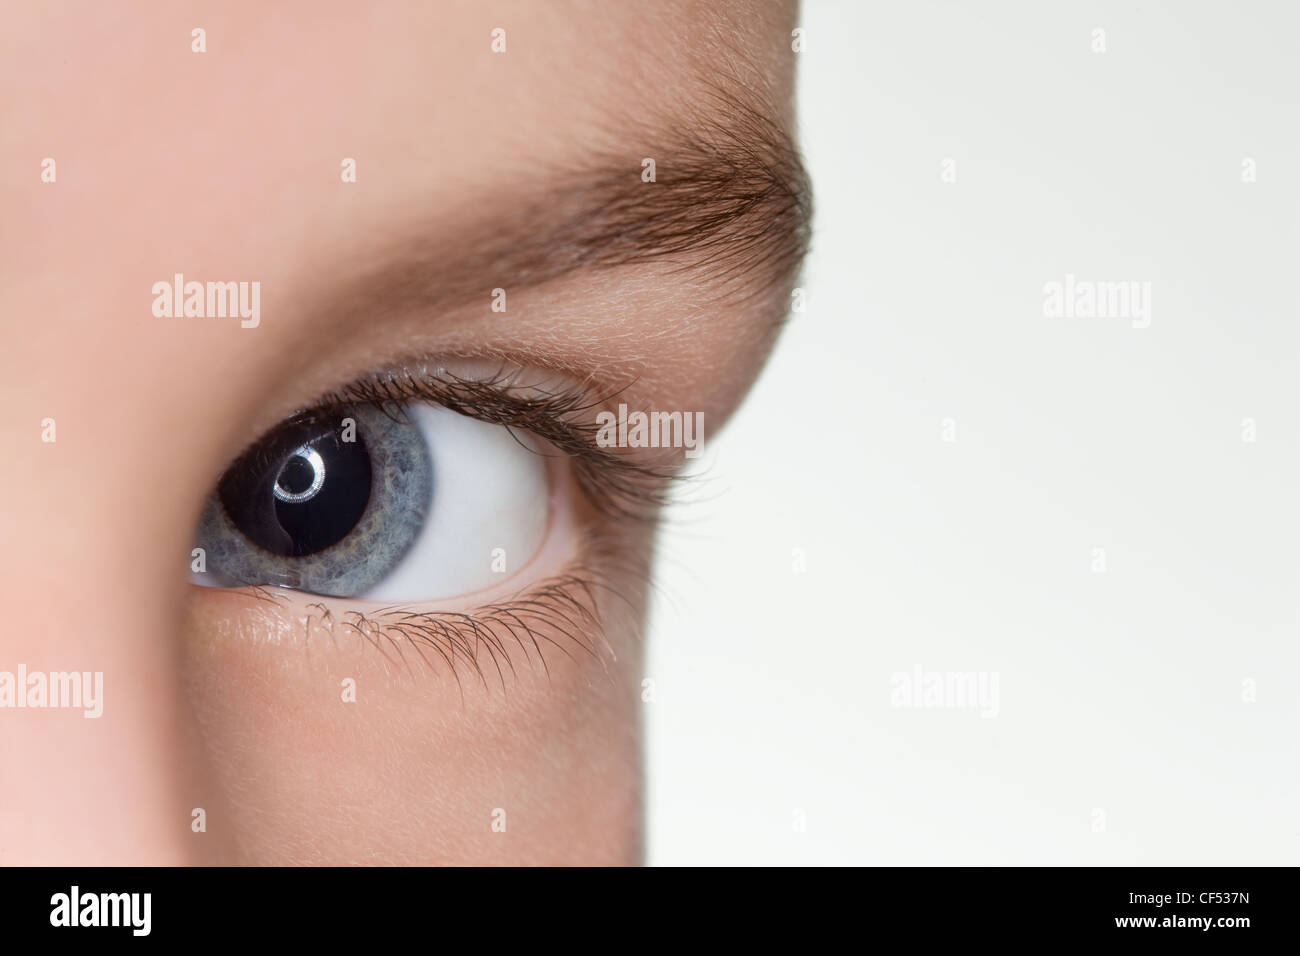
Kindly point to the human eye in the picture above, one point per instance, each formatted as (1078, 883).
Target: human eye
(396, 502)
(426, 484)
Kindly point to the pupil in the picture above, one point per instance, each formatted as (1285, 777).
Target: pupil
(270, 494)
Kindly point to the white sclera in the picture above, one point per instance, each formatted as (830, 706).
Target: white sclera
(489, 492)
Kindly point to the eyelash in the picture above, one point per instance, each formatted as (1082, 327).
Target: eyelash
(618, 486)
(504, 629)
(567, 605)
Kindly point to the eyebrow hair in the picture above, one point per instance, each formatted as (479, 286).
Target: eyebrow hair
(731, 198)
(731, 203)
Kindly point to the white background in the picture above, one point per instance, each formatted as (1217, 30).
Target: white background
(1119, 692)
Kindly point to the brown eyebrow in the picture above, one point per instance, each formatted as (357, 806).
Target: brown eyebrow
(731, 204)
(731, 198)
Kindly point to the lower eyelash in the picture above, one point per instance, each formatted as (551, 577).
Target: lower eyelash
(560, 614)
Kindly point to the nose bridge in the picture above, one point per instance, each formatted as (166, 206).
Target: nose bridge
(96, 765)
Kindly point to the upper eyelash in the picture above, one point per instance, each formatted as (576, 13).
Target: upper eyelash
(615, 484)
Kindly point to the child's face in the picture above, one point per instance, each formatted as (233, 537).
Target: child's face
(378, 173)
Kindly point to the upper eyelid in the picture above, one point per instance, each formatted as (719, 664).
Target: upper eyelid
(615, 484)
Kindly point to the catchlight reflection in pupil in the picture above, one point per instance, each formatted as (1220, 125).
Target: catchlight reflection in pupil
(301, 477)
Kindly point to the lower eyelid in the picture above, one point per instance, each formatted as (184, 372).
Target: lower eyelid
(556, 627)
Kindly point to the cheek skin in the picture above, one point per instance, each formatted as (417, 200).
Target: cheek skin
(414, 770)
(408, 774)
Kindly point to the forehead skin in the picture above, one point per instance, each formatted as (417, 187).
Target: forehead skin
(225, 166)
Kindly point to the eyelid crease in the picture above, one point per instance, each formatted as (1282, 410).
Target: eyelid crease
(617, 485)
